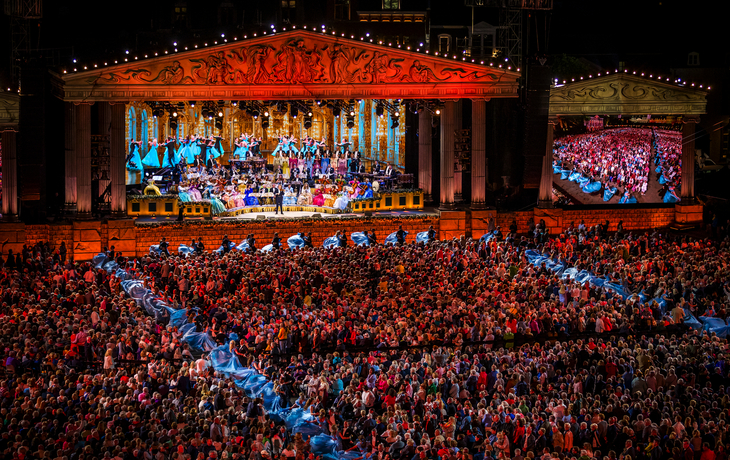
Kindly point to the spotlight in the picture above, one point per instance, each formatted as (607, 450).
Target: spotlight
(438, 111)
(307, 123)
(218, 124)
(174, 114)
(265, 123)
(220, 113)
(192, 103)
(396, 114)
(336, 112)
(309, 114)
(350, 122)
(234, 103)
(379, 110)
(352, 114)
(394, 124)
(266, 113)
(255, 113)
(318, 102)
(294, 112)
(173, 125)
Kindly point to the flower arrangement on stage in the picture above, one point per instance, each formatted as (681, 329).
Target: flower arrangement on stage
(297, 220)
(152, 197)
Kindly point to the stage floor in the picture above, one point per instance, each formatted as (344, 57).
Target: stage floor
(292, 215)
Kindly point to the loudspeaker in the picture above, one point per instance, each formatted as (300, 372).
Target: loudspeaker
(316, 215)
(368, 214)
(261, 217)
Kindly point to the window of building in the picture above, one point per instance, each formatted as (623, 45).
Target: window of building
(444, 43)
(226, 14)
(693, 58)
(342, 10)
(391, 4)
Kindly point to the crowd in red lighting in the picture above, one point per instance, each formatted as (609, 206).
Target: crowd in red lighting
(451, 350)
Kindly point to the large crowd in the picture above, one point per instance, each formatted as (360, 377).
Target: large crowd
(619, 161)
(448, 350)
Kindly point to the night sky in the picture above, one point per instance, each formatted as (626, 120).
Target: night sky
(655, 34)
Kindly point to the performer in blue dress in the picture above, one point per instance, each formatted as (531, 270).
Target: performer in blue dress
(671, 196)
(325, 163)
(627, 198)
(249, 199)
(292, 146)
(133, 160)
(152, 160)
(184, 151)
(368, 191)
(168, 158)
(241, 148)
(193, 149)
(309, 162)
(214, 152)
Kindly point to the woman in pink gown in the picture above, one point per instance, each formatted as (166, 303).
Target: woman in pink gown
(318, 198)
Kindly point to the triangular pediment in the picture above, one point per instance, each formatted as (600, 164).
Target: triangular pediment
(626, 94)
(291, 65)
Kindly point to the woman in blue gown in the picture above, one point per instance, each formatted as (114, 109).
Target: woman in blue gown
(671, 196)
(214, 153)
(152, 160)
(168, 158)
(184, 151)
(134, 162)
(193, 149)
(135, 170)
(216, 205)
(241, 149)
(627, 198)
(368, 191)
(325, 163)
(608, 192)
(249, 199)
(309, 161)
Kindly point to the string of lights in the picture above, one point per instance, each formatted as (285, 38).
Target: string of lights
(678, 81)
(273, 30)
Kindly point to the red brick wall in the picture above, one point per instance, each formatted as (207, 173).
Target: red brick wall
(212, 232)
(84, 239)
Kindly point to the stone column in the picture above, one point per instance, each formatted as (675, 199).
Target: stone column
(545, 199)
(10, 175)
(478, 153)
(458, 126)
(425, 166)
(70, 157)
(447, 155)
(104, 129)
(688, 160)
(117, 154)
(83, 160)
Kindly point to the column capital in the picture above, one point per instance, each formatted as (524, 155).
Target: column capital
(89, 103)
(481, 99)
(553, 120)
(9, 129)
(690, 119)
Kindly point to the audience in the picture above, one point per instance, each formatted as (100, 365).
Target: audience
(453, 350)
